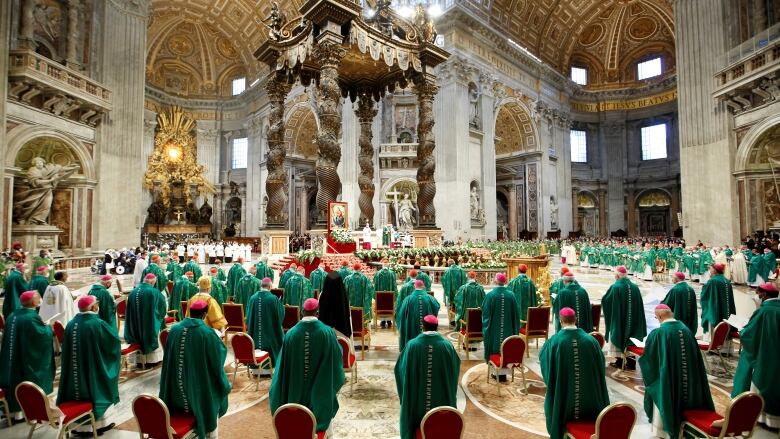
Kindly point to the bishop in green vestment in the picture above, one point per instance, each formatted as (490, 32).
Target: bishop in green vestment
(310, 370)
(426, 376)
(756, 269)
(316, 277)
(174, 270)
(44, 260)
(263, 269)
(296, 290)
(264, 317)
(624, 313)
(291, 271)
(717, 298)
(235, 274)
(469, 295)
(385, 280)
(454, 277)
(344, 270)
(193, 376)
(182, 291)
(157, 271)
(573, 370)
(27, 352)
(145, 317)
(91, 357)
(674, 375)
(499, 317)
(682, 300)
(575, 297)
(421, 275)
(360, 291)
(15, 285)
(40, 280)
(525, 293)
(247, 286)
(107, 309)
(405, 291)
(218, 289)
(193, 266)
(757, 367)
(414, 308)
(770, 262)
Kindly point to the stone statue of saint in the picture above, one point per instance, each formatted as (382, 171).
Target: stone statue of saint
(474, 105)
(156, 212)
(192, 214)
(32, 204)
(553, 213)
(474, 203)
(406, 213)
(205, 213)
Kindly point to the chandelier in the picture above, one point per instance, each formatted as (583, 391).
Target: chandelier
(404, 8)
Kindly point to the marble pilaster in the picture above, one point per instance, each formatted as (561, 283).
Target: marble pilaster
(5, 44)
(208, 149)
(72, 42)
(254, 187)
(488, 152)
(348, 169)
(614, 135)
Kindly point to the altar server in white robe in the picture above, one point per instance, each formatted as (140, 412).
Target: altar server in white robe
(739, 272)
(220, 251)
(140, 265)
(247, 252)
(229, 253)
(190, 251)
(58, 300)
(201, 254)
(181, 251)
(568, 254)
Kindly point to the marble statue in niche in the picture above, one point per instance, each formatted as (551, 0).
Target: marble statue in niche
(205, 213)
(406, 213)
(32, 202)
(474, 96)
(553, 213)
(476, 210)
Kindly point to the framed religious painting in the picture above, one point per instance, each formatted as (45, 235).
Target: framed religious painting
(338, 216)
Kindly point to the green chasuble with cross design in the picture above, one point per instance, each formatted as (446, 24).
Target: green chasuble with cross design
(39, 283)
(219, 290)
(454, 277)
(426, 377)
(107, 307)
(310, 371)
(682, 300)
(624, 313)
(423, 277)
(410, 315)
(756, 267)
(573, 370)
(182, 291)
(262, 271)
(499, 319)
(193, 376)
(91, 357)
(717, 301)
(361, 292)
(264, 317)
(386, 280)
(246, 287)
(296, 290)
(317, 278)
(144, 317)
(235, 274)
(525, 293)
(15, 285)
(674, 375)
(286, 275)
(27, 354)
(194, 267)
(761, 355)
(405, 291)
(576, 298)
(770, 264)
(469, 295)
(162, 282)
(174, 271)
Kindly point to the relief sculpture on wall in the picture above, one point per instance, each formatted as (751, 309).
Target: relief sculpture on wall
(35, 193)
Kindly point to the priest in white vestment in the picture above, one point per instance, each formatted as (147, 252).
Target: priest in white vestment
(140, 265)
(58, 301)
(739, 271)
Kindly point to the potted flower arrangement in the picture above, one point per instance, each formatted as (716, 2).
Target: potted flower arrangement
(341, 236)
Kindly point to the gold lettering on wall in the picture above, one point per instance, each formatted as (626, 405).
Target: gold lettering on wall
(633, 104)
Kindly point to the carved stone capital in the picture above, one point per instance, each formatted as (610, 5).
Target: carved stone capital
(149, 127)
(207, 134)
(328, 53)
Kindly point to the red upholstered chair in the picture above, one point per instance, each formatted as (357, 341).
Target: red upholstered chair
(278, 292)
(717, 344)
(511, 356)
(294, 421)
(740, 419)
(599, 338)
(183, 307)
(384, 308)
(59, 334)
(38, 411)
(614, 422)
(164, 338)
(6, 409)
(632, 352)
(348, 360)
(156, 422)
(360, 329)
(126, 351)
(246, 355)
(470, 329)
(441, 423)
(170, 286)
(121, 311)
(234, 314)
(2, 323)
(595, 313)
(536, 326)
(292, 314)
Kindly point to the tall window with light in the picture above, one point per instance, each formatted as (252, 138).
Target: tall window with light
(649, 68)
(579, 146)
(240, 150)
(579, 75)
(654, 142)
(239, 85)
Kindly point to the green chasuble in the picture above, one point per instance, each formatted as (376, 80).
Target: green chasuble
(39, 283)
(193, 376)
(499, 319)
(470, 295)
(576, 298)
(107, 307)
(235, 275)
(27, 354)
(761, 355)
(286, 275)
(14, 287)
(386, 280)
(317, 278)
(674, 375)
(682, 300)
(624, 313)
(174, 271)
(717, 301)
(309, 371)
(423, 277)
(297, 290)
(770, 264)
(162, 281)
(525, 293)
(182, 291)
(361, 292)
(246, 287)
(426, 377)
(264, 316)
(194, 267)
(454, 278)
(43, 262)
(221, 275)
(385, 236)
(410, 315)
(91, 354)
(262, 270)
(145, 317)
(405, 291)
(344, 272)
(557, 285)
(573, 370)
(756, 267)
(219, 290)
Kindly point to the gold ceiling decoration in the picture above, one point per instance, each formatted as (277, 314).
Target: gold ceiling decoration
(585, 201)
(174, 159)
(654, 199)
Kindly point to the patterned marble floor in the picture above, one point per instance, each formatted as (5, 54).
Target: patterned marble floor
(370, 408)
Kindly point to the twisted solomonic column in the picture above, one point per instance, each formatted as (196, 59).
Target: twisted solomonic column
(365, 113)
(426, 91)
(276, 182)
(329, 55)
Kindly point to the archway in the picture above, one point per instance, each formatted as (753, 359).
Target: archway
(758, 177)
(654, 207)
(300, 131)
(587, 214)
(514, 129)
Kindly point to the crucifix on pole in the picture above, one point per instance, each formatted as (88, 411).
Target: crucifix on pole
(395, 195)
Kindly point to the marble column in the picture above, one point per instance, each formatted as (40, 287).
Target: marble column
(150, 127)
(276, 181)
(426, 88)
(255, 130)
(348, 168)
(603, 220)
(488, 151)
(631, 206)
(27, 28)
(675, 207)
(574, 210)
(366, 111)
(208, 149)
(5, 44)
(512, 212)
(615, 140)
(71, 48)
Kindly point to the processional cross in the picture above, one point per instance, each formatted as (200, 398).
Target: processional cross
(179, 213)
(395, 195)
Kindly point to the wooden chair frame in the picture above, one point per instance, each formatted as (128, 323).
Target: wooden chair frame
(595, 317)
(727, 418)
(378, 314)
(511, 366)
(536, 335)
(297, 313)
(263, 364)
(601, 417)
(442, 409)
(364, 334)
(468, 337)
(189, 434)
(718, 350)
(56, 423)
(233, 328)
(351, 370)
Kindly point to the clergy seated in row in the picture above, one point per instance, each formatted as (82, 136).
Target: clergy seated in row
(499, 318)
(309, 371)
(193, 266)
(624, 316)
(291, 271)
(182, 291)
(572, 366)
(263, 269)
(107, 309)
(343, 270)
(573, 296)
(420, 275)
(27, 352)
(161, 281)
(234, 276)
(757, 367)
(15, 286)
(246, 287)
(297, 289)
(454, 277)
(334, 305)
(144, 318)
(214, 318)
(717, 299)
(426, 376)
(360, 290)
(193, 377)
(91, 359)
(524, 290)
(469, 295)
(218, 288)
(386, 280)
(40, 280)
(57, 302)
(316, 277)
(406, 290)
(674, 375)
(410, 315)
(682, 300)
(264, 317)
